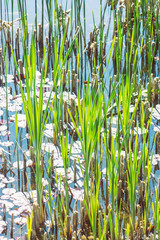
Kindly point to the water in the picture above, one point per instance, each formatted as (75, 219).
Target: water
(92, 8)
(14, 151)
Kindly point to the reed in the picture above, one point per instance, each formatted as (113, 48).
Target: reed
(35, 117)
(116, 204)
(66, 161)
(29, 225)
(6, 84)
(156, 208)
(112, 167)
(132, 179)
(89, 117)
(93, 208)
(16, 132)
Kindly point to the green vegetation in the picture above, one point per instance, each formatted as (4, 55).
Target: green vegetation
(101, 95)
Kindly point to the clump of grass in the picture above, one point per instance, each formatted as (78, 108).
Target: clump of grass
(89, 117)
(35, 117)
(132, 180)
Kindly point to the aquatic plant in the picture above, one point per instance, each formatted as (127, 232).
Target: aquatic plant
(36, 120)
(107, 81)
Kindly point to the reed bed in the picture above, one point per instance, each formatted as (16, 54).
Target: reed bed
(89, 106)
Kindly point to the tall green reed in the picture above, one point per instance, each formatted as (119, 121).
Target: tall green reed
(147, 195)
(93, 208)
(59, 62)
(33, 109)
(147, 166)
(6, 82)
(16, 132)
(88, 117)
(112, 177)
(66, 160)
(132, 179)
(156, 216)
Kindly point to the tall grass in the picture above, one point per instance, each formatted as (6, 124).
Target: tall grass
(66, 161)
(117, 209)
(93, 208)
(33, 107)
(88, 117)
(156, 209)
(35, 117)
(132, 179)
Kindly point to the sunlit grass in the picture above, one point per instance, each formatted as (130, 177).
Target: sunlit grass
(111, 213)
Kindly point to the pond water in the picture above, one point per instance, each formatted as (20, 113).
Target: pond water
(92, 9)
(17, 167)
